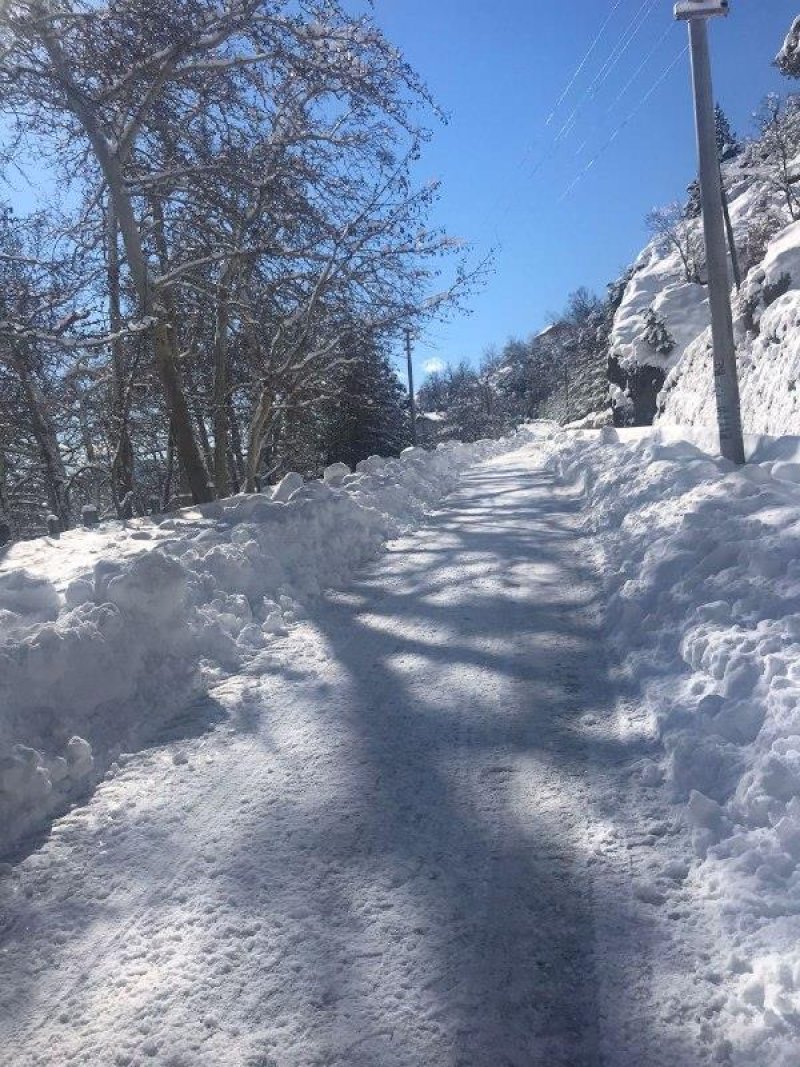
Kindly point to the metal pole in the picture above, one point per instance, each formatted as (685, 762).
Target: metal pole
(412, 403)
(726, 383)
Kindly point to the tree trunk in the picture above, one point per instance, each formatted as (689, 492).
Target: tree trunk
(6, 529)
(106, 152)
(122, 464)
(167, 493)
(221, 428)
(189, 454)
(44, 432)
(262, 417)
(236, 445)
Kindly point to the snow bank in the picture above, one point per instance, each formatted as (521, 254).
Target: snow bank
(105, 635)
(703, 584)
(595, 420)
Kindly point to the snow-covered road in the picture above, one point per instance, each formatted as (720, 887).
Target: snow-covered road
(398, 839)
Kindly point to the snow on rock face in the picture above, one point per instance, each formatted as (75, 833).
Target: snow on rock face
(703, 612)
(766, 314)
(659, 284)
(638, 363)
(105, 634)
(766, 322)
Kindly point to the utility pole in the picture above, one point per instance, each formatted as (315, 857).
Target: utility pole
(411, 399)
(726, 382)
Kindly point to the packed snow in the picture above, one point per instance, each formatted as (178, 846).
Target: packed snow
(105, 631)
(529, 780)
(407, 840)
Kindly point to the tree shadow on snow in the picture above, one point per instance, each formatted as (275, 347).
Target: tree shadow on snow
(422, 896)
(462, 875)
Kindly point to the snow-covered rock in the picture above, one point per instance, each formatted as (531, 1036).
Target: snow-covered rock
(766, 313)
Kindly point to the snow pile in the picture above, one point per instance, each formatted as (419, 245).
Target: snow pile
(595, 420)
(703, 573)
(106, 634)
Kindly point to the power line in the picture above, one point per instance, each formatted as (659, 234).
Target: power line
(644, 14)
(589, 53)
(617, 52)
(590, 91)
(656, 47)
(642, 65)
(627, 36)
(626, 122)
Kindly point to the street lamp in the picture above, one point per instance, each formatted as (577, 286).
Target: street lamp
(726, 382)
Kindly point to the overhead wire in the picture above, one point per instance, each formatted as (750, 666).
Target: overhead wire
(626, 122)
(631, 81)
(667, 30)
(627, 35)
(590, 51)
(644, 13)
(581, 66)
(626, 38)
(611, 63)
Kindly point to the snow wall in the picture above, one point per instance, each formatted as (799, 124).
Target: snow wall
(702, 573)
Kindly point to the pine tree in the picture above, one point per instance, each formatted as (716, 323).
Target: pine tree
(728, 144)
(694, 205)
(656, 333)
(369, 413)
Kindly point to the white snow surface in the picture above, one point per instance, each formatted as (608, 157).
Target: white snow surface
(702, 566)
(658, 283)
(527, 790)
(103, 632)
(413, 838)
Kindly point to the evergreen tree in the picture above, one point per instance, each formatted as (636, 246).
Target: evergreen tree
(788, 59)
(656, 333)
(694, 206)
(432, 396)
(369, 412)
(728, 144)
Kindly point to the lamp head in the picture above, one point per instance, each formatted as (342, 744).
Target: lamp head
(688, 10)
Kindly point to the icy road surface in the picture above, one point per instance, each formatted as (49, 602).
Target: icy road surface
(401, 838)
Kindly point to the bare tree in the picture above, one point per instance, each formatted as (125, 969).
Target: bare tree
(245, 209)
(673, 230)
(779, 125)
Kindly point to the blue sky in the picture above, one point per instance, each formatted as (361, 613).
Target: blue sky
(498, 69)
